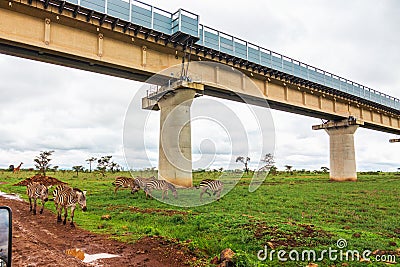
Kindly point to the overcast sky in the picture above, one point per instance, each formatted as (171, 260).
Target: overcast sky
(81, 114)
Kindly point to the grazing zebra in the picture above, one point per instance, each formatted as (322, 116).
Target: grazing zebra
(125, 182)
(37, 191)
(160, 185)
(141, 182)
(64, 197)
(214, 186)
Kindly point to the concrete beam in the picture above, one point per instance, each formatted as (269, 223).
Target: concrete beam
(150, 102)
(338, 124)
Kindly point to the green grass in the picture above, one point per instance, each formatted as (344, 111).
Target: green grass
(300, 211)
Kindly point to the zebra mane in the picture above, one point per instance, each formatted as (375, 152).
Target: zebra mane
(78, 190)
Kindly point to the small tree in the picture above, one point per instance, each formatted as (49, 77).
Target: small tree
(103, 164)
(269, 162)
(114, 167)
(324, 169)
(289, 169)
(42, 162)
(90, 160)
(78, 169)
(273, 170)
(245, 161)
(55, 169)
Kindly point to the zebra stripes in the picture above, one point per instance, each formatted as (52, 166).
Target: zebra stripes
(64, 197)
(214, 186)
(160, 185)
(141, 182)
(37, 191)
(125, 182)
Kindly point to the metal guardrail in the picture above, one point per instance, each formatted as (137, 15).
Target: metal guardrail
(242, 49)
(151, 17)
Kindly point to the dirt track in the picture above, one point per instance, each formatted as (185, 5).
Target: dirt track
(39, 241)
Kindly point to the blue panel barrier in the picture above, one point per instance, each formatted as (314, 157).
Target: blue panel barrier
(162, 23)
(94, 4)
(141, 16)
(118, 8)
(226, 45)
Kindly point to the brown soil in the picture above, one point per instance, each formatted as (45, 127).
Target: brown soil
(39, 241)
(304, 235)
(46, 180)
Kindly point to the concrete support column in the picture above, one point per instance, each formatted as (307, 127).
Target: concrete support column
(175, 150)
(342, 153)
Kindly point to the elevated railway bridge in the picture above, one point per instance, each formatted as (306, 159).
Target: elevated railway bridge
(134, 40)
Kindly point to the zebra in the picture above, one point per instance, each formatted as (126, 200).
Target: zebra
(125, 182)
(141, 182)
(64, 197)
(214, 186)
(34, 191)
(160, 185)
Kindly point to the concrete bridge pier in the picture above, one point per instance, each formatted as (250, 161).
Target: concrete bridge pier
(175, 145)
(342, 152)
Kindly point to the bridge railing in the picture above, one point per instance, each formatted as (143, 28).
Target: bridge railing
(187, 22)
(240, 48)
(146, 15)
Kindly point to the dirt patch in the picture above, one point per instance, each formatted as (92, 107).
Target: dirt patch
(39, 241)
(46, 180)
(299, 235)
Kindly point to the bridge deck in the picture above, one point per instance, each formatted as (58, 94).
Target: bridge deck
(232, 48)
(70, 35)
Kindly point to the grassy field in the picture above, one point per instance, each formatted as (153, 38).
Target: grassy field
(300, 211)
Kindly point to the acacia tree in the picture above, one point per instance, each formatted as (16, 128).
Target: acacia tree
(114, 167)
(289, 169)
(77, 169)
(42, 162)
(269, 162)
(245, 161)
(90, 160)
(273, 170)
(103, 164)
(324, 169)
